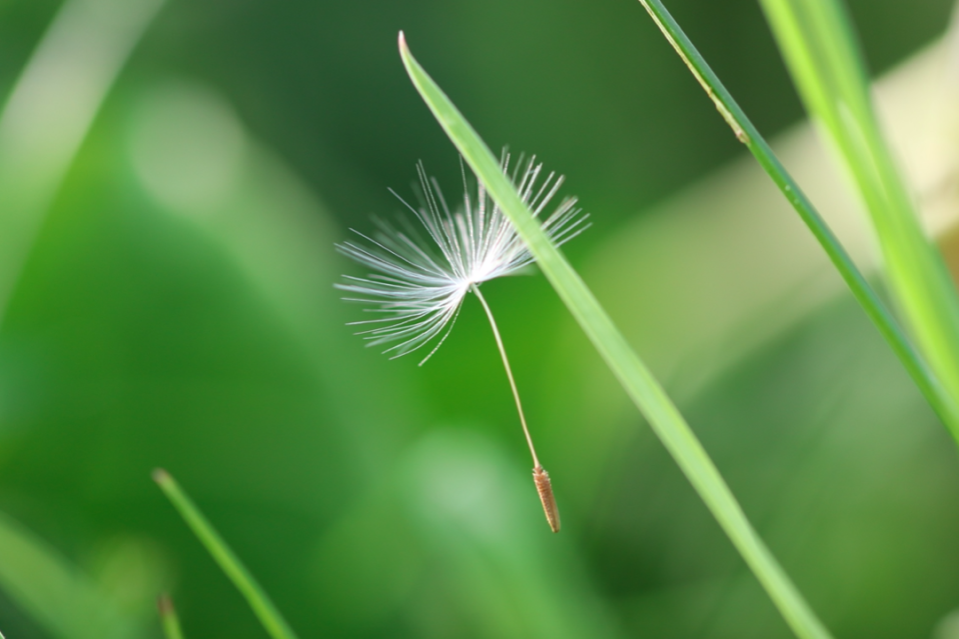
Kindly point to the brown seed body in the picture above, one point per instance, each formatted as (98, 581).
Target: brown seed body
(545, 490)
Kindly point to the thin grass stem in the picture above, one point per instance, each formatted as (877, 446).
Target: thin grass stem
(262, 606)
(168, 618)
(636, 379)
(942, 402)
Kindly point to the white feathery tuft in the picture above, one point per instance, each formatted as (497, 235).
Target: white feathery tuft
(419, 283)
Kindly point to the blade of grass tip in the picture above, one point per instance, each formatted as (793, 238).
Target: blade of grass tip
(639, 383)
(262, 606)
(168, 618)
(823, 57)
(942, 402)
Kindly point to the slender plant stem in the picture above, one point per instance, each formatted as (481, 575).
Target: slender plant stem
(826, 64)
(262, 606)
(168, 618)
(636, 379)
(917, 368)
(509, 373)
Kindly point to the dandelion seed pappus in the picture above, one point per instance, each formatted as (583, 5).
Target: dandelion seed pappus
(420, 281)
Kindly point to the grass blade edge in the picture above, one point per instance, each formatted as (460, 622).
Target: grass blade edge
(262, 606)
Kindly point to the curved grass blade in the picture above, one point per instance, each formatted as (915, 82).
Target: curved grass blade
(821, 53)
(168, 618)
(61, 599)
(262, 606)
(636, 379)
(944, 403)
(51, 108)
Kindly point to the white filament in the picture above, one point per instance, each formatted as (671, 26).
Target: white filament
(420, 282)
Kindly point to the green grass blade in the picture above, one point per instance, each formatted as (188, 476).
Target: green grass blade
(45, 118)
(636, 379)
(262, 607)
(944, 403)
(63, 601)
(823, 57)
(168, 618)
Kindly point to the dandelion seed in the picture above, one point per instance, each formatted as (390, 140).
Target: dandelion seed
(419, 283)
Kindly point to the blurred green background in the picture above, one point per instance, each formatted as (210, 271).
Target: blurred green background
(176, 308)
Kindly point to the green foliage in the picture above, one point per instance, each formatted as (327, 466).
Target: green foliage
(945, 405)
(177, 309)
(821, 52)
(57, 594)
(92, 39)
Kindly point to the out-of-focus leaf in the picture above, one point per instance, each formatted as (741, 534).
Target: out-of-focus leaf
(480, 522)
(43, 123)
(196, 159)
(62, 600)
(52, 106)
(826, 64)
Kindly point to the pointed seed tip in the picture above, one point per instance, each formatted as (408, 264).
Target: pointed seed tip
(402, 42)
(165, 605)
(160, 476)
